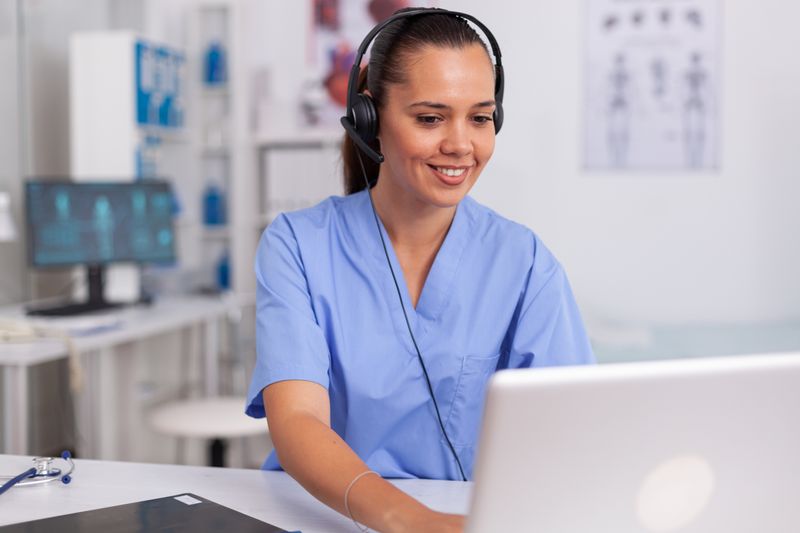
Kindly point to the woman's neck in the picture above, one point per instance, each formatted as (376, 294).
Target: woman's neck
(412, 225)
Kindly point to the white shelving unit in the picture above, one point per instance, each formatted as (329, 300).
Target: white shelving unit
(261, 174)
(220, 135)
(296, 170)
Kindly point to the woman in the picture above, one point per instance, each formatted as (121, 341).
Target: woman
(356, 380)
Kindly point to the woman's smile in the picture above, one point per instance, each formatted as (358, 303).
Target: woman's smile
(451, 175)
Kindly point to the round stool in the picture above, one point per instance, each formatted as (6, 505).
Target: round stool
(215, 419)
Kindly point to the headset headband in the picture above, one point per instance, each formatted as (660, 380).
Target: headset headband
(352, 86)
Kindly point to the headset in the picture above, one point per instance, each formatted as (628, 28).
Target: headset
(42, 473)
(361, 125)
(361, 120)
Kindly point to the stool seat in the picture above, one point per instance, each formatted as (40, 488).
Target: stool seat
(207, 418)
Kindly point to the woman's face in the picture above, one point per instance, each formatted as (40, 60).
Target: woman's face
(436, 129)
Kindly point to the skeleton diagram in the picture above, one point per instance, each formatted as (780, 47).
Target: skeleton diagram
(619, 113)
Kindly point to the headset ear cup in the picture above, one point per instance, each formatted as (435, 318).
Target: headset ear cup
(497, 117)
(366, 117)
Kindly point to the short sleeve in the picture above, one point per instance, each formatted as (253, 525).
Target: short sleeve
(289, 343)
(547, 329)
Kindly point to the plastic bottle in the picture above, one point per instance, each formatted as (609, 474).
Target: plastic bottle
(224, 272)
(213, 206)
(216, 67)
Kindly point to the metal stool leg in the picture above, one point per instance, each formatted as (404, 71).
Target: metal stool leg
(216, 452)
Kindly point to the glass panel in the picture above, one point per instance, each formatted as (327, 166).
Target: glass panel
(12, 259)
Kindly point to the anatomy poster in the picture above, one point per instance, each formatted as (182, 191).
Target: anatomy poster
(338, 28)
(652, 85)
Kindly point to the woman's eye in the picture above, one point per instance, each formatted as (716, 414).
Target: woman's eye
(428, 119)
(482, 119)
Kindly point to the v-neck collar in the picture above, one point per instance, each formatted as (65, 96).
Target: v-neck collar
(438, 285)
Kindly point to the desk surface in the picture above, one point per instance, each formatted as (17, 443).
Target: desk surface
(31, 353)
(270, 496)
(116, 326)
(96, 338)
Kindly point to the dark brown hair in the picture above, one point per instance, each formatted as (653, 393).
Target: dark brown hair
(390, 50)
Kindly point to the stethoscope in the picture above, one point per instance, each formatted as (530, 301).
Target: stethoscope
(42, 472)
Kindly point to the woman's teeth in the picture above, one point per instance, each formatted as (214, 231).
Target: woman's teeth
(452, 172)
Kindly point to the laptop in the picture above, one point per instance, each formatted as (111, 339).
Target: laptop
(684, 446)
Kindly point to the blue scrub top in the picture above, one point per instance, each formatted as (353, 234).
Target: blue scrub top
(327, 311)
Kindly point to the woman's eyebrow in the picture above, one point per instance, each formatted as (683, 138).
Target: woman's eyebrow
(438, 105)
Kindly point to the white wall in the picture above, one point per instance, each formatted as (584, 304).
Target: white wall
(47, 27)
(656, 248)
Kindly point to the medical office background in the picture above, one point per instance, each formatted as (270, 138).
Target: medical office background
(667, 259)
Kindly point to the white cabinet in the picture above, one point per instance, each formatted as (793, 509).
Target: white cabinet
(127, 113)
(126, 96)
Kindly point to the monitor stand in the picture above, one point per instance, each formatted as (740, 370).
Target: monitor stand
(95, 275)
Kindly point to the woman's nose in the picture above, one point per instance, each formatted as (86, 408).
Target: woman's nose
(457, 140)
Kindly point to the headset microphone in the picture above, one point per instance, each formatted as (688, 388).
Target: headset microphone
(367, 149)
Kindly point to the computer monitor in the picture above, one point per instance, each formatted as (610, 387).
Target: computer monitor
(94, 224)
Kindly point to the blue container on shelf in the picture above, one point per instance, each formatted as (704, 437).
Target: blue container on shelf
(216, 64)
(224, 272)
(213, 206)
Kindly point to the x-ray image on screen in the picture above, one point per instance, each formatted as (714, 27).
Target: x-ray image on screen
(99, 223)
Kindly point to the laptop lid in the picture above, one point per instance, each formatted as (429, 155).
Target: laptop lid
(689, 446)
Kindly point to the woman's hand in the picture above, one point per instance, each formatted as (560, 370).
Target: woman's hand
(317, 457)
(442, 522)
(431, 522)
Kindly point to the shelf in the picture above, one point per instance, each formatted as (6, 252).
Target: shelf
(171, 135)
(216, 232)
(307, 138)
(213, 5)
(221, 151)
(215, 91)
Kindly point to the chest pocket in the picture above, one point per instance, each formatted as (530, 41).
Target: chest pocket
(464, 419)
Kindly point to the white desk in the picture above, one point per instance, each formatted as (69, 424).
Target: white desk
(273, 497)
(96, 350)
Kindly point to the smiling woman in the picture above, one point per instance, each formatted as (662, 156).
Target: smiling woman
(382, 314)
